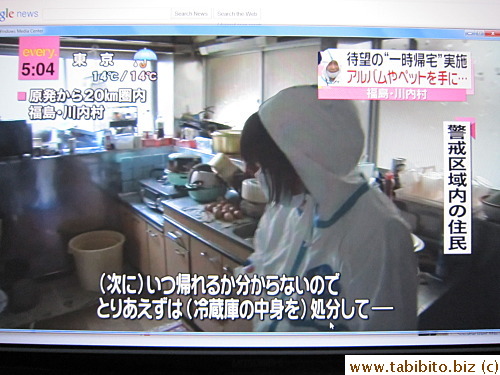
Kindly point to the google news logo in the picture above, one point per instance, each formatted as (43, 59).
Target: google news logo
(10, 14)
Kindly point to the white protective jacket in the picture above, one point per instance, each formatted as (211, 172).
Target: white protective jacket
(339, 226)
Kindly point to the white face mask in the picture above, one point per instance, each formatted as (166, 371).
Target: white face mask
(263, 182)
(332, 75)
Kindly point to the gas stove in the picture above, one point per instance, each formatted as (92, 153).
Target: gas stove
(153, 191)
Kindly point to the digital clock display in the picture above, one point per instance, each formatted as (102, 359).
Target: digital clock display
(39, 58)
(37, 70)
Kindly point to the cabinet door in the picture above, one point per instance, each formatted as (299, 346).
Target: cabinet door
(237, 325)
(176, 250)
(136, 243)
(157, 258)
(206, 261)
(177, 256)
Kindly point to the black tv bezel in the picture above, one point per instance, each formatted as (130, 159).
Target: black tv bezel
(149, 360)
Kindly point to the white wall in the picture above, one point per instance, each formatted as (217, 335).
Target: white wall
(237, 84)
(188, 85)
(234, 87)
(289, 67)
(165, 99)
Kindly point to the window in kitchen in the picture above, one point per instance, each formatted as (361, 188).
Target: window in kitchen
(237, 83)
(234, 87)
(413, 130)
(84, 78)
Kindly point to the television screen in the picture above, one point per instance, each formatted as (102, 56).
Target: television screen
(289, 180)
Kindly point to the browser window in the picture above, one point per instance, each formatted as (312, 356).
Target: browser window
(101, 245)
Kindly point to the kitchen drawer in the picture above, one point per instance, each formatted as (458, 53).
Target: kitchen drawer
(177, 254)
(176, 251)
(237, 325)
(156, 247)
(205, 260)
(208, 261)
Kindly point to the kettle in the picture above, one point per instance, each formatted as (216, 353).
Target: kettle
(204, 185)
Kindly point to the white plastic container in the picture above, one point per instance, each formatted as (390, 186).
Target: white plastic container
(204, 144)
(123, 141)
(96, 253)
(252, 192)
(366, 169)
(224, 166)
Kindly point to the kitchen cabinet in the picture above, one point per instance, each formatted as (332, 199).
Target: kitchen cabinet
(177, 254)
(187, 254)
(156, 251)
(176, 250)
(144, 245)
(183, 247)
(237, 325)
(136, 244)
(211, 252)
(205, 261)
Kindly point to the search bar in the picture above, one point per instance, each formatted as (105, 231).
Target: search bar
(110, 15)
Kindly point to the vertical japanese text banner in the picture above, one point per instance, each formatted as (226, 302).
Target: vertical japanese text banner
(457, 231)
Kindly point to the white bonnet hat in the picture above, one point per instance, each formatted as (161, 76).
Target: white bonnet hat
(326, 133)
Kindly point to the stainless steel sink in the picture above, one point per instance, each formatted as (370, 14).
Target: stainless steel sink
(246, 231)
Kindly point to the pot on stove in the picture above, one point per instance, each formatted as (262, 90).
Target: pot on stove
(204, 185)
(182, 162)
(177, 179)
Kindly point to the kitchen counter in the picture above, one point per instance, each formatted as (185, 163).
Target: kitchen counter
(134, 200)
(430, 288)
(191, 217)
(197, 212)
(192, 210)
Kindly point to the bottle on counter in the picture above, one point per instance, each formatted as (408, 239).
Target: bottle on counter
(389, 184)
(398, 166)
(72, 145)
(160, 127)
(108, 145)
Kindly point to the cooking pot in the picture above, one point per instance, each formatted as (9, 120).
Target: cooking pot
(205, 195)
(227, 141)
(177, 179)
(491, 206)
(204, 179)
(182, 162)
(204, 185)
(203, 175)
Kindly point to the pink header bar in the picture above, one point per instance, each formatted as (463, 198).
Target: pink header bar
(393, 93)
(39, 58)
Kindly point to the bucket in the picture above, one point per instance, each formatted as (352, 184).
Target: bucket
(96, 253)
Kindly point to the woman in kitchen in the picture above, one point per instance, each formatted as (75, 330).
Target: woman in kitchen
(323, 219)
